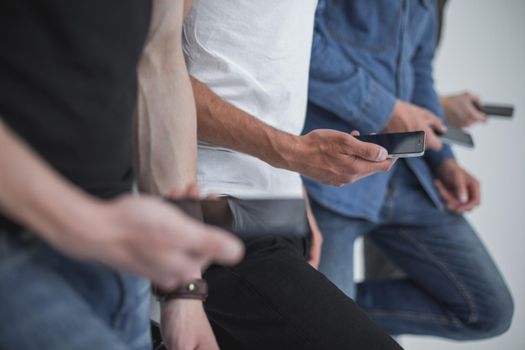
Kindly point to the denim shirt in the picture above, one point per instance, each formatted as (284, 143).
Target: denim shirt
(366, 54)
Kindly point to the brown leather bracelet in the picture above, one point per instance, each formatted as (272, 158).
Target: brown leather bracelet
(196, 289)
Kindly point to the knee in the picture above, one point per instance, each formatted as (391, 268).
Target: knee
(495, 316)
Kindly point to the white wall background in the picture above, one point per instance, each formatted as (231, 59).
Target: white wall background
(483, 49)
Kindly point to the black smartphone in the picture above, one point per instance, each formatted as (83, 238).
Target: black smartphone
(497, 110)
(251, 217)
(399, 144)
(456, 136)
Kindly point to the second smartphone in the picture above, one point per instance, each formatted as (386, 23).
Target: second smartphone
(399, 144)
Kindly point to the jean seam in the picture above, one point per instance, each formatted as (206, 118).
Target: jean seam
(473, 313)
(413, 316)
(116, 317)
(252, 288)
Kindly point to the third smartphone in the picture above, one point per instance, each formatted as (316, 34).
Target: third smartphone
(399, 144)
(498, 110)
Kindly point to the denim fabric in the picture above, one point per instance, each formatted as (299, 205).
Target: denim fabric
(48, 301)
(453, 288)
(367, 54)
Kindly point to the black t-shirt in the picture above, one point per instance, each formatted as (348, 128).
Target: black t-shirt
(68, 84)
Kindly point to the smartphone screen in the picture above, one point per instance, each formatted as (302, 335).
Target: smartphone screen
(399, 145)
(457, 136)
(498, 110)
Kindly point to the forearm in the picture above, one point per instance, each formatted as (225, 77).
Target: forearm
(37, 197)
(224, 125)
(166, 121)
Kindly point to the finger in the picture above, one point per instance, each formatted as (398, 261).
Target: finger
(385, 166)
(474, 195)
(212, 197)
(467, 123)
(475, 191)
(474, 114)
(444, 192)
(166, 283)
(435, 123)
(432, 140)
(215, 244)
(355, 133)
(461, 189)
(369, 151)
(193, 191)
(202, 240)
(175, 194)
(179, 268)
(363, 168)
(450, 200)
(475, 99)
(388, 164)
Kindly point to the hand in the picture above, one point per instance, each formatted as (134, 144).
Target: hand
(408, 117)
(184, 324)
(335, 157)
(186, 327)
(150, 238)
(461, 110)
(460, 190)
(191, 192)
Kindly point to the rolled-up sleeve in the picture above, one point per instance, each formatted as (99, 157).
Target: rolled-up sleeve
(424, 93)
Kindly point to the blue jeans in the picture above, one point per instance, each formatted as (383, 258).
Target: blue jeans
(48, 301)
(453, 288)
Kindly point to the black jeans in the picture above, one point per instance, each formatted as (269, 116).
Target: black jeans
(274, 300)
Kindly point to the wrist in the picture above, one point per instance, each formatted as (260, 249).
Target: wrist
(445, 165)
(71, 217)
(399, 109)
(444, 101)
(396, 121)
(194, 289)
(284, 149)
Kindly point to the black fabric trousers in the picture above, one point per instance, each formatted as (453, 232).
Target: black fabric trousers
(274, 300)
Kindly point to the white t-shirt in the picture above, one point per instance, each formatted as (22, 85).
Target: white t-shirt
(254, 54)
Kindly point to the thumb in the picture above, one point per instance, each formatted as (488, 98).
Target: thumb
(220, 246)
(435, 123)
(461, 189)
(370, 151)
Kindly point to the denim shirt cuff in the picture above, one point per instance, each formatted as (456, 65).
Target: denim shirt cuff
(376, 109)
(434, 158)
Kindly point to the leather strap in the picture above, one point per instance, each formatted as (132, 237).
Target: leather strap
(196, 289)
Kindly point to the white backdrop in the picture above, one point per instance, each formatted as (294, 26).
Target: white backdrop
(483, 49)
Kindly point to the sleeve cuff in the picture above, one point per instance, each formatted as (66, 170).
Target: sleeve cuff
(376, 110)
(434, 158)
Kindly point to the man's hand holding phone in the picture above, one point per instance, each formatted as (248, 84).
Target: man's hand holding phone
(335, 157)
(462, 110)
(150, 238)
(409, 117)
(460, 190)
